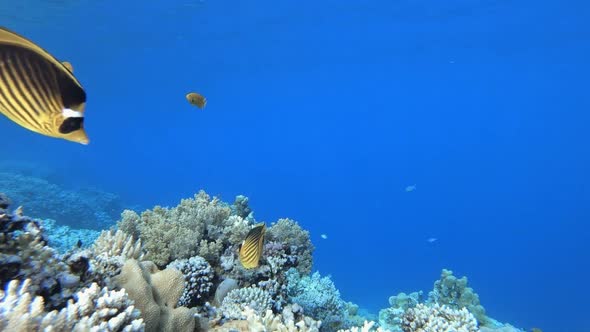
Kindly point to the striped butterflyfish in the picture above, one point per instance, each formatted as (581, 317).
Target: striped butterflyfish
(196, 99)
(38, 92)
(251, 248)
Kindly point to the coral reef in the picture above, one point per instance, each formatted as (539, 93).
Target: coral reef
(109, 253)
(438, 318)
(236, 301)
(320, 299)
(296, 248)
(290, 320)
(200, 226)
(25, 255)
(94, 309)
(64, 238)
(88, 208)
(177, 269)
(198, 276)
(391, 318)
(453, 292)
(156, 293)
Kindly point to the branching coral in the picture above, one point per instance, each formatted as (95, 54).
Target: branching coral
(438, 318)
(200, 226)
(93, 310)
(295, 240)
(25, 255)
(291, 320)
(110, 251)
(391, 318)
(319, 298)
(238, 299)
(453, 292)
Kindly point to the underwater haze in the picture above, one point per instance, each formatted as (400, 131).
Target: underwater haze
(406, 136)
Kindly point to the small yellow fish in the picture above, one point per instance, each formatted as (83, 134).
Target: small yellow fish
(251, 248)
(38, 92)
(68, 66)
(196, 99)
(536, 329)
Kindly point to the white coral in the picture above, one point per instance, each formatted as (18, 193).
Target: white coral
(271, 322)
(94, 310)
(367, 327)
(437, 318)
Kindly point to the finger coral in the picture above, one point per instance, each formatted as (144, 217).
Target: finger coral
(438, 318)
(94, 309)
(237, 300)
(110, 251)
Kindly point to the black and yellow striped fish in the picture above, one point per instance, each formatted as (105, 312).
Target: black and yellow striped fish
(38, 92)
(251, 248)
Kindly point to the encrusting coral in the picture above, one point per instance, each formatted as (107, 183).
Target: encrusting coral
(94, 309)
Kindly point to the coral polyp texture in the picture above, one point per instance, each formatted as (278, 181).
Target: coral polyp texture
(177, 269)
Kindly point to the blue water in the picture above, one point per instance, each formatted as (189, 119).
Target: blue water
(325, 111)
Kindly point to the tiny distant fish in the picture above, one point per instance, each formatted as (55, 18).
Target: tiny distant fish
(432, 240)
(196, 99)
(38, 92)
(411, 188)
(251, 248)
(79, 243)
(324, 236)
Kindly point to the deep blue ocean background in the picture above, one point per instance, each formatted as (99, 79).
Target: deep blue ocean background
(325, 111)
